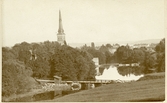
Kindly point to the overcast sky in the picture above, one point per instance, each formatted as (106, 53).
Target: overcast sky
(83, 20)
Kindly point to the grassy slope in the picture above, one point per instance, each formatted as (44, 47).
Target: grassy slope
(146, 90)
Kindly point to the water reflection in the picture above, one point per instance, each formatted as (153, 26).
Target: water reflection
(125, 71)
(120, 73)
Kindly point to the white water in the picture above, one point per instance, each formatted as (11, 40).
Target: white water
(112, 74)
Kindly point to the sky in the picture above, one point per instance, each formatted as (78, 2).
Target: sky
(83, 20)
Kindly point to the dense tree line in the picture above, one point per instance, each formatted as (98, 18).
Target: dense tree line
(102, 53)
(72, 64)
(160, 49)
(16, 78)
(51, 58)
(69, 63)
(149, 60)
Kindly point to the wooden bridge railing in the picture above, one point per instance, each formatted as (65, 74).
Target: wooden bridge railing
(97, 81)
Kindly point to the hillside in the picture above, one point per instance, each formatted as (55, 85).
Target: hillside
(147, 41)
(114, 42)
(146, 90)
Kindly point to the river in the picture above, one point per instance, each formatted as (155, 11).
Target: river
(121, 73)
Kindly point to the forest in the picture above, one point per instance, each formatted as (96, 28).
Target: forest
(51, 58)
(25, 61)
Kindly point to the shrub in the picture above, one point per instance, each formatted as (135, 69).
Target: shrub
(15, 78)
(34, 97)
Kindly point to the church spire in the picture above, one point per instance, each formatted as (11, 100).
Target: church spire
(61, 34)
(60, 23)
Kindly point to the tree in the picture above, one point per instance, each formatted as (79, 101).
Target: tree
(151, 61)
(108, 57)
(156, 60)
(109, 46)
(7, 54)
(71, 64)
(161, 62)
(138, 56)
(161, 46)
(65, 43)
(124, 55)
(52, 59)
(98, 54)
(103, 49)
(92, 45)
(160, 49)
(15, 78)
(83, 68)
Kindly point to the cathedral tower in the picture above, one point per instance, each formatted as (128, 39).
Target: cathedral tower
(61, 34)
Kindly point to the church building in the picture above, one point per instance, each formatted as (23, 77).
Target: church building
(61, 34)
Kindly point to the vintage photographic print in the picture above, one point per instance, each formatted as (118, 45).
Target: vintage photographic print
(83, 51)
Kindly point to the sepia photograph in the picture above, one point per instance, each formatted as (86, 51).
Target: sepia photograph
(83, 50)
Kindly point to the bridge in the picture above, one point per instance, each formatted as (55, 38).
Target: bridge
(69, 82)
(80, 84)
(96, 62)
(57, 80)
(118, 64)
(49, 84)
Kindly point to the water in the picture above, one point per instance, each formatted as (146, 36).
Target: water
(112, 73)
(123, 73)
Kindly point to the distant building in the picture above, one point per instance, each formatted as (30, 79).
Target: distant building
(96, 61)
(113, 48)
(153, 45)
(116, 45)
(140, 45)
(92, 45)
(61, 34)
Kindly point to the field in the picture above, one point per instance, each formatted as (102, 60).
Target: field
(150, 89)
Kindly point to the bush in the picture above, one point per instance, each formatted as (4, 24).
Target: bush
(15, 78)
(31, 98)
(44, 96)
(149, 77)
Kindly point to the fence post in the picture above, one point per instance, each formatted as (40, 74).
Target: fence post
(58, 88)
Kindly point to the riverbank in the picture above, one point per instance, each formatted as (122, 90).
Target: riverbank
(34, 95)
(152, 89)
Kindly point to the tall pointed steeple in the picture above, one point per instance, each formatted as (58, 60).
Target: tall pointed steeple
(61, 34)
(60, 23)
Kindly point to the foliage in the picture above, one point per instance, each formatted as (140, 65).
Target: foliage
(149, 60)
(124, 54)
(52, 59)
(7, 54)
(108, 56)
(71, 65)
(15, 77)
(138, 55)
(160, 48)
(109, 46)
(97, 54)
(125, 71)
(92, 45)
(103, 49)
(33, 97)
